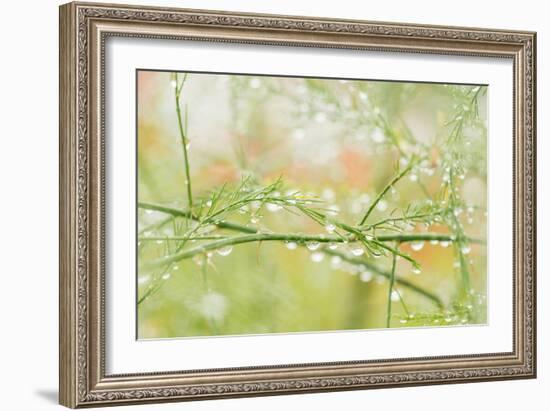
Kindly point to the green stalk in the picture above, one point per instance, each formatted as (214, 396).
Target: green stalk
(392, 282)
(385, 190)
(184, 141)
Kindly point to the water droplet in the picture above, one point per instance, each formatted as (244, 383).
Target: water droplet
(457, 211)
(209, 203)
(395, 194)
(291, 245)
(327, 194)
(382, 205)
(434, 242)
(149, 212)
(428, 171)
(444, 244)
(223, 251)
(255, 83)
(416, 270)
(243, 209)
(330, 227)
(394, 295)
(166, 276)
(333, 209)
(357, 250)
(333, 246)
(158, 241)
(366, 276)
(313, 245)
(403, 321)
(176, 267)
(465, 249)
(174, 83)
(378, 135)
(417, 245)
(320, 117)
(317, 257)
(272, 207)
(413, 177)
(255, 219)
(144, 279)
(448, 319)
(364, 198)
(335, 261)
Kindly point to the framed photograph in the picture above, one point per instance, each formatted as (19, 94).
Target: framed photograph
(259, 204)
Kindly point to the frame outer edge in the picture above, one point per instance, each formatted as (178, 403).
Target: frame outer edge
(68, 327)
(77, 388)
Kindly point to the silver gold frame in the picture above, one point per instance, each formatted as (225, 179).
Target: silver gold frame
(84, 27)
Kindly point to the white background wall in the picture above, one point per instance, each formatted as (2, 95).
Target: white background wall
(28, 216)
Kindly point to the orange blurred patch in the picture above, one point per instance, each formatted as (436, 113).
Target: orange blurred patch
(430, 254)
(356, 168)
(220, 173)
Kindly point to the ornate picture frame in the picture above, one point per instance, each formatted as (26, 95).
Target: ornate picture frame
(84, 30)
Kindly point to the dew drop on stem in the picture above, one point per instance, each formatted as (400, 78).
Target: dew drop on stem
(272, 207)
(394, 296)
(417, 245)
(357, 250)
(224, 251)
(313, 245)
(291, 245)
(365, 276)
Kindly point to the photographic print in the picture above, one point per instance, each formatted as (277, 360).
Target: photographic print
(272, 204)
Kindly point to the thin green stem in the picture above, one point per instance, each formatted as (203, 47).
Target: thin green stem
(390, 290)
(398, 177)
(460, 239)
(184, 140)
(404, 218)
(187, 214)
